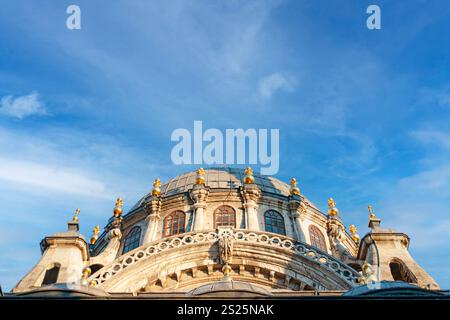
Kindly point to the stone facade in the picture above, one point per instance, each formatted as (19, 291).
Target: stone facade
(277, 243)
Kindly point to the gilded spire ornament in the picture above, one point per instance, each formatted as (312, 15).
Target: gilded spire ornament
(295, 191)
(118, 207)
(95, 234)
(75, 217)
(353, 232)
(371, 214)
(200, 180)
(332, 211)
(249, 178)
(156, 187)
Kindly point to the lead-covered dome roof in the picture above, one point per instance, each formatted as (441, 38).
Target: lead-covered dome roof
(219, 178)
(223, 178)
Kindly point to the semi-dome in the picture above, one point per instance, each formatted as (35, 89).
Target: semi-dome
(229, 289)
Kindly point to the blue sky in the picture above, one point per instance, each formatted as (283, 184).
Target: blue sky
(86, 115)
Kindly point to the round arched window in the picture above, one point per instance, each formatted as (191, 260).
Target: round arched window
(274, 222)
(174, 224)
(224, 216)
(132, 240)
(316, 238)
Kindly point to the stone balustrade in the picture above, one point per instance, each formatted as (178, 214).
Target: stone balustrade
(291, 245)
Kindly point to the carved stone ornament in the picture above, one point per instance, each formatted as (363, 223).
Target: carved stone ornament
(225, 244)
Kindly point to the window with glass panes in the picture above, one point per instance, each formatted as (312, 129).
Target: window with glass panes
(224, 216)
(174, 224)
(274, 222)
(132, 240)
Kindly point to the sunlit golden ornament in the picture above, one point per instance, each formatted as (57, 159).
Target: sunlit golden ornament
(200, 180)
(75, 217)
(156, 187)
(86, 274)
(294, 187)
(95, 234)
(371, 214)
(118, 207)
(226, 270)
(332, 211)
(249, 178)
(353, 232)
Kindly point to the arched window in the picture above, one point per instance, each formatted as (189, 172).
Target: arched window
(316, 238)
(132, 240)
(400, 271)
(51, 275)
(224, 216)
(174, 224)
(274, 222)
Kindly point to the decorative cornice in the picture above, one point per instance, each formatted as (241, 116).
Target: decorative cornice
(67, 240)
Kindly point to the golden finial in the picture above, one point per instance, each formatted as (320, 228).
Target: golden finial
(353, 232)
(156, 187)
(294, 187)
(200, 180)
(371, 214)
(248, 179)
(95, 234)
(226, 270)
(75, 217)
(118, 207)
(332, 211)
(86, 274)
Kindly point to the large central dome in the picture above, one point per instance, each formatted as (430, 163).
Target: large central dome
(219, 178)
(223, 178)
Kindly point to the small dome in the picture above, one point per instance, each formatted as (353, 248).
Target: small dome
(229, 288)
(390, 288)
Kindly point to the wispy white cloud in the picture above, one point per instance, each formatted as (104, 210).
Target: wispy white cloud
(433, 136)
(59, 179)
(22, 106)
(270, 84)
(436, 180)
(439, 96)
(68, 161)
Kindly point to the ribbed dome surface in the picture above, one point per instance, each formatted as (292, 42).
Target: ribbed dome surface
(220, 178)
(223, 178)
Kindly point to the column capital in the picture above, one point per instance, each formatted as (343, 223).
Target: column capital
(199, 194)
(250, 193)
(153, 207)
(297, 207)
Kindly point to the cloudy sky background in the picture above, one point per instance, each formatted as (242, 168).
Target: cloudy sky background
(86, 115)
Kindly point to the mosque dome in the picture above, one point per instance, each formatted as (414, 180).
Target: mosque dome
(221, 178)
(191, 232)
(203, 206)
